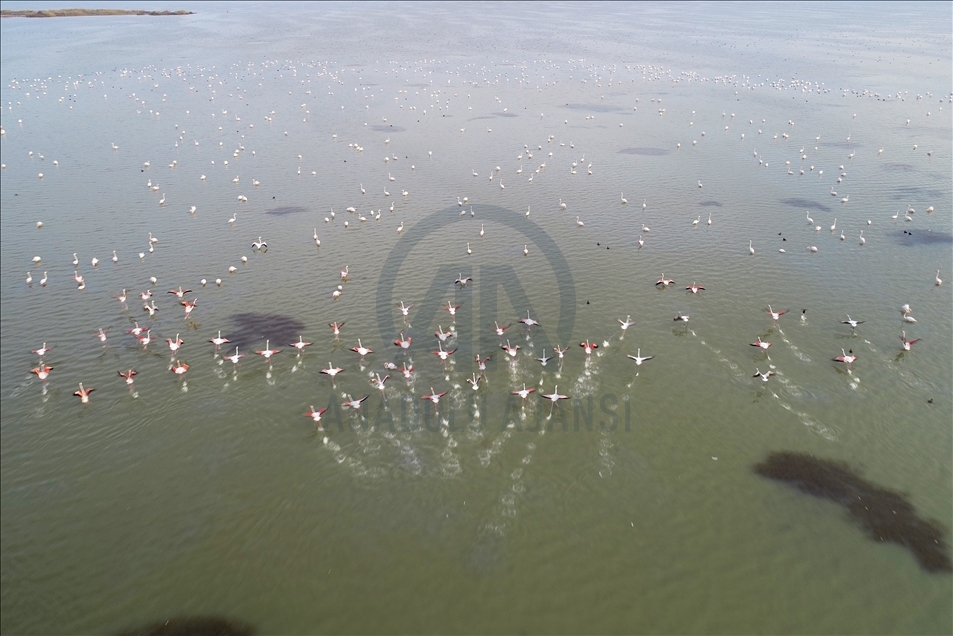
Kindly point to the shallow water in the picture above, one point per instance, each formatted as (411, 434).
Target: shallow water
(630, 507)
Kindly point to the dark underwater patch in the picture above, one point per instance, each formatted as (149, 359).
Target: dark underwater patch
(805, 204)
(914, 237)
(710, 204)
(193, 626)
(251, 329)
(883, 514)
(645, 152)
(286, 209)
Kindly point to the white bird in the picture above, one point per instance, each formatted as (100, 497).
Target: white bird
(862, 239)
(834, 226)
(938, 280)
(639, 359)
(810, 221)
(750, 249)
(579, 223)
(95, 262)
(697, 221)
(42, 280)
(709, 218)
(624, 200)
(29, 278)
(562, 205)
(525, 250)
(115, 258)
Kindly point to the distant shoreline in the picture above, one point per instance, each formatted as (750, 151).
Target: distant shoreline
(70, 13)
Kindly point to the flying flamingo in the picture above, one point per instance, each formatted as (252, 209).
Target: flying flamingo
(127, 375)
(906, 344)
(639, 359)
(315, 415)
(524, 393)
(301, 344)
(83, 393)
(267, 352)
(43, 371)
(554, 397)
(846, 358)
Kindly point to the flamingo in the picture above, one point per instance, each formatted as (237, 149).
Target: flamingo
(235, 357)
(761, 344)
(499, 330)
(352, 403)
(189, 306)
(560, 353)
(938, 280)
(628, 322)
(434, 397)
(301, 344)
(152, 309)
(554, 397)
(523, 393)
(402, 342)
(529, 322)
(267, 352)
(331, 371)
(588, 346)
(378, 381)
(259, 245)
(315, 415)
(179, 368)
(42, 350)
(442, 353)
(475, 381)
(846, 358)
(510, 349)
(853, 323)
(750, 249)
(406, 370)
(336, 328)
(180, 293)
(481, 363)
(344, 272)
(136, 330)
(681, 318)
(174, 344)
(810, 221)
(462, 280)
(218, 340)
(624, 200)
(664, 282)
(452, 309)
(697, 221)
(906, 344)
(862, 239)
(128, 375)
(709, 218)
(776, 314)
(544, 359)
(482, 232)
(764, 376)
(43, 371)
(639, 359)
(641, 242)
(121, 297)
(43, 280)
(83, 393)
(361, 349)
(693, 288)
(442, 335)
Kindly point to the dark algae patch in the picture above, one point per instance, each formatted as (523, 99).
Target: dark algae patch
(883, 514)
(193, 626)
(285, 210)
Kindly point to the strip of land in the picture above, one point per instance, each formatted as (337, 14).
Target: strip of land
(71, 13)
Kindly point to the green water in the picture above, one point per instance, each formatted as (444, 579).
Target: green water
(629, 507)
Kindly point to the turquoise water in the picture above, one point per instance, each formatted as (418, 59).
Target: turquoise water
(631, 506)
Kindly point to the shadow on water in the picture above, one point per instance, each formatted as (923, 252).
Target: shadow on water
(805, 204)
(253, 328)
(287, 209)
(388, 129)
(883, 514)
(899, 167)
(645, 152)
(595, 108)
(906, 193)
(193, 626)
(912, 238)
(709, 204)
